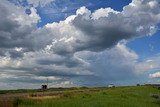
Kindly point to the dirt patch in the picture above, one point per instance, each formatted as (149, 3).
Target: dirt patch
(44, 97)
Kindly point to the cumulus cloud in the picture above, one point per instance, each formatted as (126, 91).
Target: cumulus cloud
(89, 68)
(95, 31)
(103, 12)
(108, 29)
(155, 75)
(115, 64)
(15, 25)
(104, 28)
(64, 84)
(149, 64)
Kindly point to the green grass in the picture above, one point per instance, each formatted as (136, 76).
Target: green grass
(114, 97)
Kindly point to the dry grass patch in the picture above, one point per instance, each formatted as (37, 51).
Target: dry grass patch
(45, 97)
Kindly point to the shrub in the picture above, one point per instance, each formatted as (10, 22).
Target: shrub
(156, 96)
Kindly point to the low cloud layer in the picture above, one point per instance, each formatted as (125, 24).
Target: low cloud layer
(155, 75)
(85, 49)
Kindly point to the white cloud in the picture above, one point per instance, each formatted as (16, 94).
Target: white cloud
(115, 64)
(155, 75)
(25, 19)
(93, 31)
(50, 78)
(83, 10)
(103, 12)
(64, 84)
(15, 26)
(104, 28)
(149, 64)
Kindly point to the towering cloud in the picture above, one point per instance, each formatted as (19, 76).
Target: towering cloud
(95, 31)
(105, 27)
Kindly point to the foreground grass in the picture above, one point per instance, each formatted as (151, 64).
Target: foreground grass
(113, 97)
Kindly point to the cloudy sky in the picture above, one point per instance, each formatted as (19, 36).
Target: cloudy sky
(79, 43)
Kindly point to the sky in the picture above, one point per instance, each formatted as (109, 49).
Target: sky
(75, 43)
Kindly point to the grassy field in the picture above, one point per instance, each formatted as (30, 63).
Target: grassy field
(36, 90)
(138, 96)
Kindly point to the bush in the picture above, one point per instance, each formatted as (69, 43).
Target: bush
(138, 85)
(156, 96)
